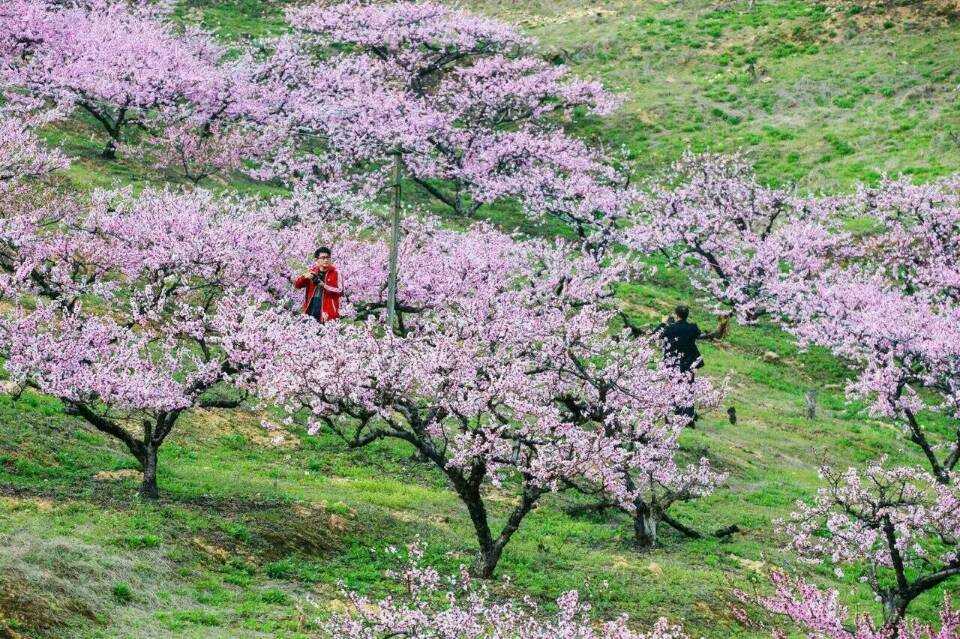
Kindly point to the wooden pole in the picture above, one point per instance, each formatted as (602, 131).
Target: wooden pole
(394, 242)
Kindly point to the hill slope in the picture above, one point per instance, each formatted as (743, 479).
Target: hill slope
(821, 94)
(252, 536)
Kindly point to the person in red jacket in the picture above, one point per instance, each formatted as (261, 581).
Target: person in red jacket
(323, 288)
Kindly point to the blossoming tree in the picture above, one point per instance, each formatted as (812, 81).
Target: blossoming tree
(905, 347)
(22, 155)
(455, 104)
(916, 246)
(473, 382)
(114, 61)
(124, 309)
(733, 236)
(622, 385)
(890, 308)
(820, 615)
(473, 113)
(468, 611)
(26, 165)
(434, 605)
(896, 526)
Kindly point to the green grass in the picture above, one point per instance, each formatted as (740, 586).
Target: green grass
(250, 538)
(813, 93)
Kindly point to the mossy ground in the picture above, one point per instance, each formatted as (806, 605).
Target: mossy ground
(251, 537)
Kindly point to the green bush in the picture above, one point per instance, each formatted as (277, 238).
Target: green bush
(123, 593)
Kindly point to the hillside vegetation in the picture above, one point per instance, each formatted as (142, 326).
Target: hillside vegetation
(254, 534)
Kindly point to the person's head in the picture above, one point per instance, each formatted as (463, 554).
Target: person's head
(682, 313)
(322, 256)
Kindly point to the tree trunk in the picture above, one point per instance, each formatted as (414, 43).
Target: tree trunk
(810, 399)
(644, 527)
(487, 553)
(148, 488)
(490, 549)
(487, 560)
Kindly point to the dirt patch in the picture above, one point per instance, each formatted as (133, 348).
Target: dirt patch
(217, 552)
(208, 424)
(118, 475)
(268, 534)
(310, 529)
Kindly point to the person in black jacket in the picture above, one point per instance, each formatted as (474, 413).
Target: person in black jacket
(680, 341)
(680, 347)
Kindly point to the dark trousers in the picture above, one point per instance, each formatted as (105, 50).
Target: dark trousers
(688, 411)
(315, 309)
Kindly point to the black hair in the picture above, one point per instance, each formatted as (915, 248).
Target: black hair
(682, 312)
(320, 251)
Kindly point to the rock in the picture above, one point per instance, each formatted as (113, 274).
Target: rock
(9, 388)
(117, 475)
(770, 357)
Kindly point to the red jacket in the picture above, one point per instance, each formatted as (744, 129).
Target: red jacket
(331, 291)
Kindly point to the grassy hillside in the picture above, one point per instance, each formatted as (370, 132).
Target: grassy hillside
(252, 536)
(823, 94)
(820, 94)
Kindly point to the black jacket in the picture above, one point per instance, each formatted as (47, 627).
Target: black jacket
(680, 344)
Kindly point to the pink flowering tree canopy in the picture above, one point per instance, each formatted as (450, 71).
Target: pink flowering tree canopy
(732, 235)
(896, 526)
(650, 478)
(22, 155)
(26, 166)
(474, 116)
(820, 615)
(124, 308)
(492, 378)
(917, 246)
(433, 605)
(906, 350)
(890, 308)
(114, 61)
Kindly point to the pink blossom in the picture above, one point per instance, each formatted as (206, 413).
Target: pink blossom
(114, 61)
(22, 155)
(464, 609)
(820, 615)
(732, 235)
(897, 526)
(504, 369)
(140, 299)
(474, 114)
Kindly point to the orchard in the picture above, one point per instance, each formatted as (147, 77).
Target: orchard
(522, 379)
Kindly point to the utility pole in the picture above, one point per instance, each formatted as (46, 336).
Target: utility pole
(394, 241)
